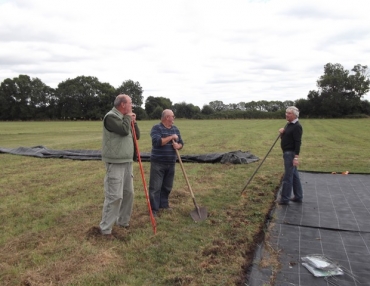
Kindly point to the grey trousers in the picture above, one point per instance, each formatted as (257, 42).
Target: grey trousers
(119, 196)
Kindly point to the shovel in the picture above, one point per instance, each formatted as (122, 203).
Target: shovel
(199, 213)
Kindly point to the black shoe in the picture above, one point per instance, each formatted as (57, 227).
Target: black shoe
(296, 200)
(283, 203)
(155, 214)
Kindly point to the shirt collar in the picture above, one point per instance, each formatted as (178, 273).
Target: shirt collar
(294, 121)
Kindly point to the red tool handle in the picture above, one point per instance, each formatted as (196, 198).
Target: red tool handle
(152, 219)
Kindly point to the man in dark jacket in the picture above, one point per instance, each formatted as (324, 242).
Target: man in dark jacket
(291, 138)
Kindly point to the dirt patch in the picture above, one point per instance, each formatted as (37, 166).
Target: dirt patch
(262, 237)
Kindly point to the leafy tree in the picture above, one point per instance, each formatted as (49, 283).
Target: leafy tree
(24, 98)
(359, 82)
(207, 110)
(287, 103)
(217, 105)
(133, 89)
(157, 113)
(231, 106)
(8, 100)
(106, 97)
(304, 107)
(261, 105)
(184, 110)
(152, 103)
(314, 101)
(340, 92)
(250, 106)
(269, 106)
(43, 99)
(140, 113)
(365, 107)
(240, 106)
(84, 98)
(273, 106)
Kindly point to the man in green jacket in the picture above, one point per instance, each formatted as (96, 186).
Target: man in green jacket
(117, 153)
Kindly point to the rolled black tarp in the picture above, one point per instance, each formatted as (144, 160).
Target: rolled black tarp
(234, 157)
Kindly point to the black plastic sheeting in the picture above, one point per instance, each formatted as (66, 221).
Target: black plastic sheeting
(235, 157)
(333, 221)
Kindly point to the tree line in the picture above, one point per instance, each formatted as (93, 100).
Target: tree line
(339, 94)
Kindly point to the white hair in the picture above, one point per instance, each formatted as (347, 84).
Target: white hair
(293, 109)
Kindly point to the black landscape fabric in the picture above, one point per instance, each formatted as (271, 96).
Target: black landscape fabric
(333, 221)
(234, 157)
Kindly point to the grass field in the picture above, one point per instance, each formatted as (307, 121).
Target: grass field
(50, 208)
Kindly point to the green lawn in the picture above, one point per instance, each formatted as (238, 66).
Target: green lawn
(50, 208)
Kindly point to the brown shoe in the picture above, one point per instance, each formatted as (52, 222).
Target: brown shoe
(108, 236)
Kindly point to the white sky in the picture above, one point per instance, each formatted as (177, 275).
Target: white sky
(193, 51)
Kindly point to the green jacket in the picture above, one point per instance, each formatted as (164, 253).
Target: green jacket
(117, 142)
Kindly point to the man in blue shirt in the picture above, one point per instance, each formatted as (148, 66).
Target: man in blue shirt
(165, 139)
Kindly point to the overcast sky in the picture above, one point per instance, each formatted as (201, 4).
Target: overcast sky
(193, 51)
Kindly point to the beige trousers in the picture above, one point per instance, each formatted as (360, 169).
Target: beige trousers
(119, 196)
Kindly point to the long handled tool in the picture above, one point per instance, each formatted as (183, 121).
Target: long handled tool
(152, 219)
(250, 179)
(199, 213)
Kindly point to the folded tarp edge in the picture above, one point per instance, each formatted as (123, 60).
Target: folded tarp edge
(234, 157)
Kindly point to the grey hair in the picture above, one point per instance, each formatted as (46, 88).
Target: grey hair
(119, 99)
(165, 113)
(293, 109)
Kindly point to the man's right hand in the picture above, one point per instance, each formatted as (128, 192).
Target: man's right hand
(133, 116)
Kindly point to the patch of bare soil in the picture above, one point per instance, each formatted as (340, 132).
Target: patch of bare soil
(260, 237)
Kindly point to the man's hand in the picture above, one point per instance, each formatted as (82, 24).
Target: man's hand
(176, 145)
(133, 116)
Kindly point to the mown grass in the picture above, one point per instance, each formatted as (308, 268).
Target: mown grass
(50, 207)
